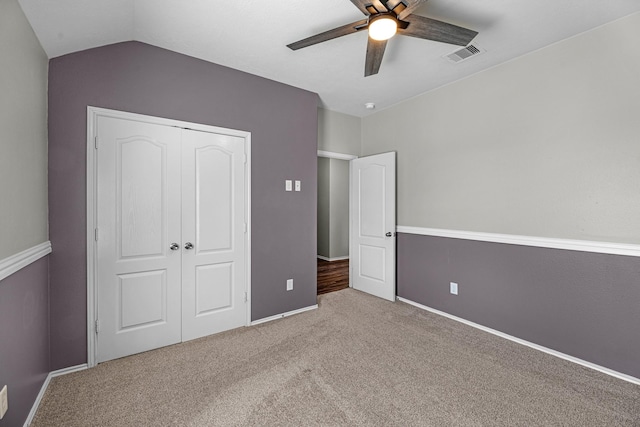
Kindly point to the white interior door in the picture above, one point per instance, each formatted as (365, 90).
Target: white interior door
(372, 244)
(171, 242)
(214, 282)
(138, 218)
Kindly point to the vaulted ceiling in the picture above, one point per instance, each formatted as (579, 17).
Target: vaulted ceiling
(252, 35)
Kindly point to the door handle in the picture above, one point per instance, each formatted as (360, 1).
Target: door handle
(389, 234)
(174, 247)
(188, 245)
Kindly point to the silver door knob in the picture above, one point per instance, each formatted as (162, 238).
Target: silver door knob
(174, 247)
(389, 234)
(188, 245)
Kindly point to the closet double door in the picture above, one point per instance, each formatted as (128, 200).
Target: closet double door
(170, 236)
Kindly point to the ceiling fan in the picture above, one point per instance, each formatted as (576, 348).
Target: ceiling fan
(384, 19)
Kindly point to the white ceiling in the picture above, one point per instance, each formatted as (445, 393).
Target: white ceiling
(251, 35)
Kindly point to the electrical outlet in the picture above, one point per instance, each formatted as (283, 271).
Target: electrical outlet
(289, 284)
(297, 185)
(453, 288)
(4, 402)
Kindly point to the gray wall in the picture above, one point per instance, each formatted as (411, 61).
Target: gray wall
(339, 209)
(579, 303)
(23, 132)
(143, 79)
(24, 338)
(544, 145)
(324, 205)
(24, 314)
(338, 132)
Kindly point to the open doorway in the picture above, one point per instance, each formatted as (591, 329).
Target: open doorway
(333, 221)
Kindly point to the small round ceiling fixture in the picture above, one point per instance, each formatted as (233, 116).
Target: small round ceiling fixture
(382, 26)
(370, 105)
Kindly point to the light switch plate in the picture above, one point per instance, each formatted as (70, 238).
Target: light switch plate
(288, 185)
(453, 288)
(4, 403)
(289, 284)
(297, 185)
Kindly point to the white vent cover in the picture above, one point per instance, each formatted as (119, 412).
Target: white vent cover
(464, 53)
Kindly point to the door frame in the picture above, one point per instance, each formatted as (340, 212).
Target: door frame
(348, 158)
(92, 116)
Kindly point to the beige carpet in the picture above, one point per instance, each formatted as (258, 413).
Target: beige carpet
(357, 360)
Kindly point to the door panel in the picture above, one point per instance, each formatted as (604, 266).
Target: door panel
(372, 262)
(373, 225)
(214, 282)
(149, 286)
(371, 199)
(141, 194)
(138, 217)
(214, 220)
(214, 287)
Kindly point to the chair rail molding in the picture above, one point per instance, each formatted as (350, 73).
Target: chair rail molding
(540, 242)
(16, 262)
(339, 156)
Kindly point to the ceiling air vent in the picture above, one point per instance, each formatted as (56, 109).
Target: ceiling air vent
(464, 53)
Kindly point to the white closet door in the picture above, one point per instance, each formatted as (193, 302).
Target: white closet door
(213, 219)
(138, 218)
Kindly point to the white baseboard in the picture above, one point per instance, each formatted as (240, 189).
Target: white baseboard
(547, 350)
(539, 242)
(11, 264)
(339, 258)
(287, 314)
(43, 389)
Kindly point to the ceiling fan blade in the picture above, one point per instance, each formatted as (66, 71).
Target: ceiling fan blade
(375, 52)
(412, 5)
(328, 35)
(431, 29)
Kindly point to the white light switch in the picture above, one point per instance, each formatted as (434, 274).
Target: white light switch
(297, 185)
(453, 288)
(289, 284)
(4, 402)
(287, 185)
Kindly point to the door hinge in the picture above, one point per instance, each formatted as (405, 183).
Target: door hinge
(95, 142)
(246, 296)
(245, 158)
(97, 326)
(95, 234)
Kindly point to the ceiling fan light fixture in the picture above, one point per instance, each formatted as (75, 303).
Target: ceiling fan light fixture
(382, 27)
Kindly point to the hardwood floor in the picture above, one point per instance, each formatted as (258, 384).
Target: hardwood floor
(332, 276)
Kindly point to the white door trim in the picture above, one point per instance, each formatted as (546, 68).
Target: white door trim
(92, 115)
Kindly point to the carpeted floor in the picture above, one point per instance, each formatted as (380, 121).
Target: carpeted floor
(357, 360)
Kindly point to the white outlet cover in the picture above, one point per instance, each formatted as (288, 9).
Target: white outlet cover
(289, 284)
(453, 288)
(297, 185)
(288, 185)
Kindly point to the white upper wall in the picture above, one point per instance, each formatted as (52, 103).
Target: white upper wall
(23, 134)
(338, 132)
(545, 145)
